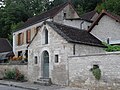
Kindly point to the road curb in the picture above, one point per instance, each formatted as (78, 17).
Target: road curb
(19, 86)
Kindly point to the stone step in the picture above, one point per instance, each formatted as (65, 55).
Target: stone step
(43, 81)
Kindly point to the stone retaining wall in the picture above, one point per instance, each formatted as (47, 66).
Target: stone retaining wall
(23, 68)
(81, 76)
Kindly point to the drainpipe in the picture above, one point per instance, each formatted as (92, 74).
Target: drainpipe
(73, 49)
(81, 24)
(68, 71)
(108, 40)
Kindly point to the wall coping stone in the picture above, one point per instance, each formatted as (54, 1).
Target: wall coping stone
(13, 64)
(97, 54)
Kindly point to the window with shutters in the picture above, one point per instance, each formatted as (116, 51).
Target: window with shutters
(28, 36)
(20, 38)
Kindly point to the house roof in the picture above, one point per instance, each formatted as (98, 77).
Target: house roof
(5, 46)
(75, 35)
(43, 16)
(86, 17)
(89, 15)
(104, 12)
(79, 19)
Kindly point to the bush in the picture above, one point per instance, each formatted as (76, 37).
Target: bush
(111, 48)
(96, 72)
(10, 74)
(14, 75)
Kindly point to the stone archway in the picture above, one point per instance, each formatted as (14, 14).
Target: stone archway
(45, 66)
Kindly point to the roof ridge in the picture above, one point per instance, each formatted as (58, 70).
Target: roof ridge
(43, 16)
(48, 10)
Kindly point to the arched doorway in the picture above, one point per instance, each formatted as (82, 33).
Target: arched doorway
(45, 64)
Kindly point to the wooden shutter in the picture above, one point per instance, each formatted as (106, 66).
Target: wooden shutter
(29, 36)
(19, 38)
(23, 38)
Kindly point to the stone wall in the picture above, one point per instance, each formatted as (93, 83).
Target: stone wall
(70, 13)
(107, 28)
(81, 76)
(22, 68)
(56, 46)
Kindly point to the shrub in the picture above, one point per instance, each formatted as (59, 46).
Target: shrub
(111, 48)
(17, 58)
(10, 74)
(14, 74)
(96, 72)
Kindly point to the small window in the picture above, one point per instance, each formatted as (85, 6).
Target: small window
(64, 17)
(36, 61)
(95, 66)
(88, 26)
(19, 53)
(56, 58)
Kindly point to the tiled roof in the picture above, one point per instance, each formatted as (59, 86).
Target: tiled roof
(75, 35)
(104, 12)
(48, 14)
(88, 16)
(79, 19)
(5, 45)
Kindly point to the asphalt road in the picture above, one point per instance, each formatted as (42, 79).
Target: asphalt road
(10, 88)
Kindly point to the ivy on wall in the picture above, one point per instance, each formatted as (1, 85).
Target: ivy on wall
(112, 48)
(96, 72)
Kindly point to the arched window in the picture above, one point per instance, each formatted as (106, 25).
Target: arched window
(45, 36)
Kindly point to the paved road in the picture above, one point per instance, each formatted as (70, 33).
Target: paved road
(10, 88)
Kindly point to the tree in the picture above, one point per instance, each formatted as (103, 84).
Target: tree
(16, 11)
(110, 5)
(82, 6)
